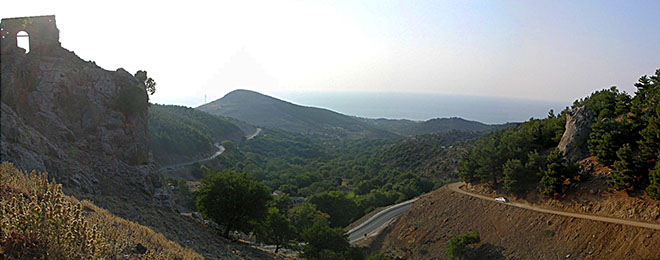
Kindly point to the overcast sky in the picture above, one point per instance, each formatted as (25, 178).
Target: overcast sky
(543, 50)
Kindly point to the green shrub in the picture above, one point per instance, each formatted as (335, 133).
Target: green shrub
(458, 244)
(379, 256)
(548, 233)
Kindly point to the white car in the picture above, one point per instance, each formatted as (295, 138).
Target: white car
(502, 199)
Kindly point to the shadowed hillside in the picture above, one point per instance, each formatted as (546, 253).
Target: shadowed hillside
(181, 133)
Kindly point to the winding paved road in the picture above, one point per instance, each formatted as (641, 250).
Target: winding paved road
(221, 149)
(254, 135)
(456, 187)
(379, 221)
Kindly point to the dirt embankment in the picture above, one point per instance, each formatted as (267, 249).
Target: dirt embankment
(589, 195)
(509, 233)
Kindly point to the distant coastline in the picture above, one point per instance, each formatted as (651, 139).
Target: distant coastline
(491, 110)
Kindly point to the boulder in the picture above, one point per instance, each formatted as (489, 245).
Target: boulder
(578, 127)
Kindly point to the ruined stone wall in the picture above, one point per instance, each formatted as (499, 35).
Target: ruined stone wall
(42, 31)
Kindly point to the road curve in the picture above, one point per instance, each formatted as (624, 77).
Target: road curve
(221, 149)
(379, 221)
(456, 187)
(253, 135)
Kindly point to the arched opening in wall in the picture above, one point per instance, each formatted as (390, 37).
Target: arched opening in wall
(23, 41)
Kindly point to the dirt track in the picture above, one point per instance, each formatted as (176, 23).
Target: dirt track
(456, 187)
(510, 231)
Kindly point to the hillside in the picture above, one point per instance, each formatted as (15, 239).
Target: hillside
(598, 158)
(362, 174)
(261, 110)
(98, 232)
(431, 126)
(446, 124)
(88, 128)
(85, 126)
(508, 232)
(435, 156)
(178, 134)
(620, 131)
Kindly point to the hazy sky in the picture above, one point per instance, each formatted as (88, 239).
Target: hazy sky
(543, 50)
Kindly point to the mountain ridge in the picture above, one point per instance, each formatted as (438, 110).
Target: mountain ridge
(408, 127)
(263, 110)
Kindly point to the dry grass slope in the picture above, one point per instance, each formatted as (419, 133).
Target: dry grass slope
(38, 221)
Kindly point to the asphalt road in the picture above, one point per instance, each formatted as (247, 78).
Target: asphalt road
(456, 186)
(254, 135)
(221, 149)
(379, 221)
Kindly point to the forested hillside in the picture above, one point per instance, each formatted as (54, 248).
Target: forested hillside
(354, 175)
(625, 137)
(437, 125)
(433, 155)
(180, 133)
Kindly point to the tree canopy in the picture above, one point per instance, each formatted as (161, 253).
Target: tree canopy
(458, 245)
(233, 200)
(624, 136)
(149, 84)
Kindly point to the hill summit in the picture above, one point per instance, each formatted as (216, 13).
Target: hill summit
(262, 110)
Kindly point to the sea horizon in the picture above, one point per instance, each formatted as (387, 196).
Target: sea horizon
(422, 107)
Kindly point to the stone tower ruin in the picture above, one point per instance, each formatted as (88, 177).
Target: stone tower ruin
(42, 32)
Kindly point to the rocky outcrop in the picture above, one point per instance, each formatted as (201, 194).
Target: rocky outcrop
(578, 127)
(88, 128)
(62, 115)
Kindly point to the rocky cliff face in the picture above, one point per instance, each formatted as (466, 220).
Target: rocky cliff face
(71, 118)
(87, 127)
(63, 115)
(578, 127)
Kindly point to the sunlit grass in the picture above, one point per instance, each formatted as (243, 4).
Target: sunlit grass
(38, 221)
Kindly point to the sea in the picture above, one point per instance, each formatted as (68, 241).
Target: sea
(421, 107)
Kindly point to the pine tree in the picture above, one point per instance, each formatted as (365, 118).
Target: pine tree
(601, 141)
(647, 113)
(514, 176)
(552, 178)
(557, 171)
(622, 174)
(550, 182)
(654, 182)
(649, 145)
